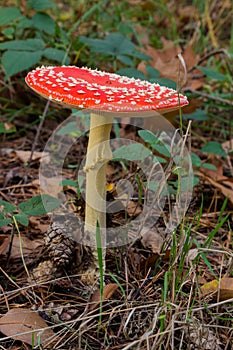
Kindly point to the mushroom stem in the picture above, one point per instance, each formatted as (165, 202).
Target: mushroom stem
(98, 154)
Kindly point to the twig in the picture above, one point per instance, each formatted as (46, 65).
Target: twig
(208, 55)
(36, 138)
(203, 94)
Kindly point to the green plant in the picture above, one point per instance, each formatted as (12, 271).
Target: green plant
(118, 48)
(29, 39)
(35, 206)
(168, 156)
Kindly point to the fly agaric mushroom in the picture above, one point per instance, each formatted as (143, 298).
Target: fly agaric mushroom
(105, 95)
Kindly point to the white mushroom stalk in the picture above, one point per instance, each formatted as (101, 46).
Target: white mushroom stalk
(105, 94)
(98, 154)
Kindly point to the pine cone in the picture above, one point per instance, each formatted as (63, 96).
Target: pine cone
(59, 242)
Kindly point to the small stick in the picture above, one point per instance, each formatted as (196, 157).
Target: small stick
(215, 98)
(36, 138)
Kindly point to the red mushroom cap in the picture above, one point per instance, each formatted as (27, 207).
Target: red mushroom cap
(107, 92)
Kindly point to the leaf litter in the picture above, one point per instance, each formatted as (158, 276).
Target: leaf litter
(27, 326)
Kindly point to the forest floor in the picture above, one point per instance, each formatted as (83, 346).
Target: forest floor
(165, 289)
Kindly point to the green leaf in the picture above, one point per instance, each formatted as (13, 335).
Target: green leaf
(8, 32)
(131, 73)
(153, 73)
(44, 22)
(155, 186)
(214, 148)
(70, 128)
(39, 205)
(40, 5)
(56, 55)
(17, 61)
(148, 136)
(209, 166)
(132, 152)
(184, 184)
(8, 207)
(24, 23)
(125, 59)
(69, 183)
(5, 222)
(24, 45)
(196, 160)
(161, 149)
(199, 115)
(164, 82)
(115, 44)
(155, 143)
(212, 74)
(141, 56)
(195, 180)
(22, 219)
(9, 14)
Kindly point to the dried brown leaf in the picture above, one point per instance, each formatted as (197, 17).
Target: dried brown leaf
(225, 288)
(4, 243)
(36, 222)
(24, 156)
(50, 185)
(18, 321)
(167, 63)
(228, 145)
(153, 240)
(226, 191)
(209, 288)
(133, 208)
(29, 246)
(108, 291)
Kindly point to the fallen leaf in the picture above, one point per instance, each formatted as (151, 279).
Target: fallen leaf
(51, 185)
(16, 322)
(224, 286)
(216, 177)
(133, 208)
(191, 255)
(108, 291)
(147, 264)
(36, 221)
(217, 173)
(4, 243)
(153, 240)
(226, 191)
(188, 12)
(29, 246)
(167, 63)
(24, 156)
(209, 288)
(228, 146)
